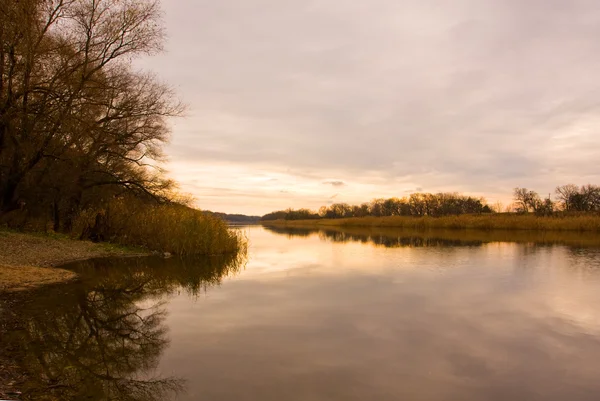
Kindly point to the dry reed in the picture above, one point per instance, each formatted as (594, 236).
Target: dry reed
(501, 221)
(172, 228)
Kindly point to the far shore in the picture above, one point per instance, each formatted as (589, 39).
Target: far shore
(29, 260)
(589, 223)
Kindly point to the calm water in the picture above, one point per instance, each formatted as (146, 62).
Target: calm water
(326, 316)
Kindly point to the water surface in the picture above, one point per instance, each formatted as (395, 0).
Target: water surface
(327, 315)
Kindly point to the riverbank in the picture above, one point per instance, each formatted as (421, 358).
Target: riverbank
(501, 221)
(392, 237)
(29, 260)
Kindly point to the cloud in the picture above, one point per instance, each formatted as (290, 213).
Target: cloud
(335, 183)
(476, 96)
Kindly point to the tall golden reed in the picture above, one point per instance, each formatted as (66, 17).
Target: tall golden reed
(172, 228)
(501, 221)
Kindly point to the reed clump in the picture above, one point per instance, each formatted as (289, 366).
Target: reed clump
(401, 237)
(500, 221)
(168, 227)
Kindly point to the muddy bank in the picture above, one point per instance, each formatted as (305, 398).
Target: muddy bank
(28, 260)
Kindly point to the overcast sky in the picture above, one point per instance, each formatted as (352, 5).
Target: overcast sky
(303, 103)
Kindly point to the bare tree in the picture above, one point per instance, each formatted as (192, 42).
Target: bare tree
(526, 200)
(74, 117)
(565, 194)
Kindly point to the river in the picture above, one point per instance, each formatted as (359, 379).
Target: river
(316, 315)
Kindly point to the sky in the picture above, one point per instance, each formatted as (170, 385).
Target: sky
(305, 103)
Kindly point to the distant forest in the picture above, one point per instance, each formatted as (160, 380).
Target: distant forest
(568, 198)
(234, 218)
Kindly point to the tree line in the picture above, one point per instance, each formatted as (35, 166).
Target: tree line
(568, 198)
(417, 204)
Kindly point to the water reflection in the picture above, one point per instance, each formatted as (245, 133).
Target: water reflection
(324, 315)
(396, 237)
(353, 321)
(102, 338)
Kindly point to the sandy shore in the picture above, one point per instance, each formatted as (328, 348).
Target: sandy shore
(29, 260)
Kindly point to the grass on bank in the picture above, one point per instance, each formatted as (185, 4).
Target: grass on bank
(123, 228)
(500, 221)
(25, 258)
(172, 228)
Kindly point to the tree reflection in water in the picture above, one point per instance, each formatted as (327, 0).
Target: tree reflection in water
(391, 237)
(101, 338)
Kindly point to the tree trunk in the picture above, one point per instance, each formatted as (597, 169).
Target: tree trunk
(8, 198)
(56, 216)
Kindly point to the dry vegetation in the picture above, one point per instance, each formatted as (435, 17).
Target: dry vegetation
(82, 131)
(500, 221)
(172, 228)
